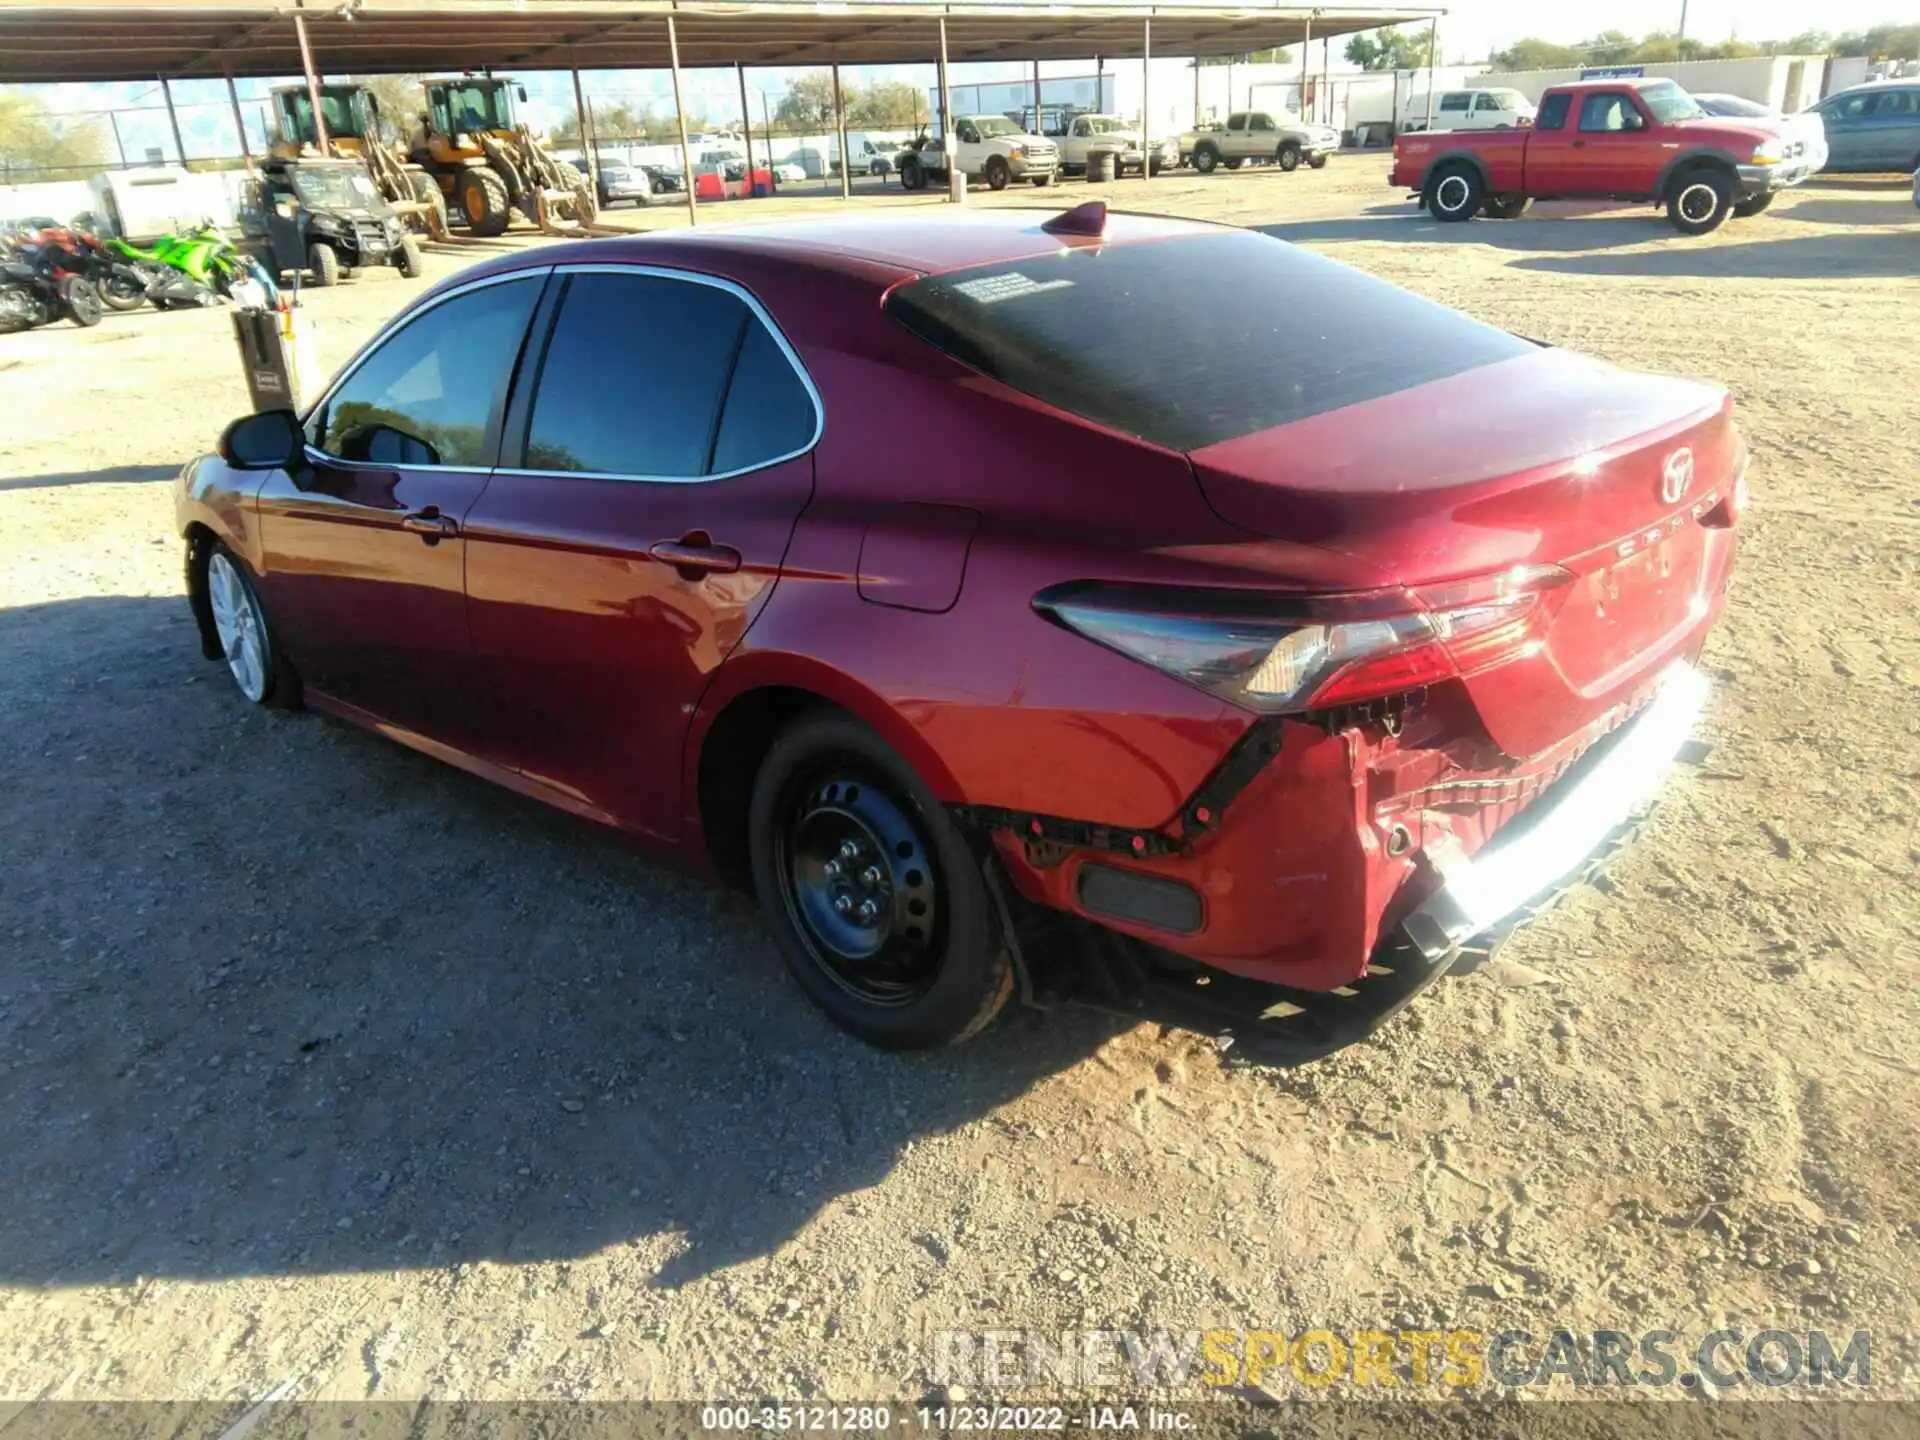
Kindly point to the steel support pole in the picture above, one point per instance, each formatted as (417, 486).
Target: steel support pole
(239, 120)
(1196, 92)
(946, 111)
(680, 117)
(1037, 122)
(118, 143)
(746, 123)
(1433, 58)
(589, 142)
(1326, 86)
(840, 120)
(321, 140)
(179, 145)
(1146, 98)
(1306, 44)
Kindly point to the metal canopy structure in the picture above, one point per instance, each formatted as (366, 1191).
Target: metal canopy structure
(106, 40)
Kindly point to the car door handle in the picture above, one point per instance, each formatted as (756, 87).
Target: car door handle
(695, 555)
(1579, 144)
(430, 525)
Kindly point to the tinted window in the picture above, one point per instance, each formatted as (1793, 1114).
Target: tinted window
(633, 376)
(769, 413)
(1192, 341)
(1455, 100)
(1237, 122)
(1895, 102)
(1607, 110)
(426, 396)
(1261, 122)
(1553, 111)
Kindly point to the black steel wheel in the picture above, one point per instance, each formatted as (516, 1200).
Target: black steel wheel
(878, 903)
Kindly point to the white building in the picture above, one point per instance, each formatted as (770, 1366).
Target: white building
(1787, 83)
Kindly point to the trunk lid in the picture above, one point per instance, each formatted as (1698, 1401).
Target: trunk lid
(1549, 458)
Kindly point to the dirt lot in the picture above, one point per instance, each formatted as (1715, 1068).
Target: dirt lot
(325, 1067)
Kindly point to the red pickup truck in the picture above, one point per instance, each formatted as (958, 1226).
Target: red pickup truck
(1615, 139)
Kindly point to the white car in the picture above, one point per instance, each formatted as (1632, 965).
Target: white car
(1805, 126)
(787, 171)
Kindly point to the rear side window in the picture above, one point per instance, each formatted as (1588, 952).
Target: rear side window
(1553, 112)
(1189, 342)
(1456, 100)
(651, 377)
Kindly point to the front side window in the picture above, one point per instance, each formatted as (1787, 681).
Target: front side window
(427, 394)
(652, 377)
(1237, 122)
(967, 131)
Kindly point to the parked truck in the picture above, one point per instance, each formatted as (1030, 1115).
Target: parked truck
(1255, 136)
(1626, 139)
(1088, 135)
(986, 147)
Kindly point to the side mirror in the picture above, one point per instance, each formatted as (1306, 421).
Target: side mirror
(270, 440)
(523, 93)
(1633, 122)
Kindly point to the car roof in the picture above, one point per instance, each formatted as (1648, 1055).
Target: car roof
(889, 248)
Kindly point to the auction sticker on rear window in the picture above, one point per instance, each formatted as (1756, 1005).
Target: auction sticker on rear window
(992, 289)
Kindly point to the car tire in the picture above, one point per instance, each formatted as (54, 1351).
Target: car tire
(407, 258)
(1699, 200)
(926, 965)
(1455, 193)
(1040, 182)
(912, 177)
(324, 263)
(1505, 207)
(1239, 162)
(997, 174)
(1318, 162)
(1205, 159)
(1287, 157)
(1753, 205)
(249, 648)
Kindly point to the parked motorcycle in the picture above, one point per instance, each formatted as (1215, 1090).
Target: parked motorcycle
(43, 278)
(207, 257)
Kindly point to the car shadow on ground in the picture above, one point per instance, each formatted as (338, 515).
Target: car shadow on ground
(1558, 227)
(1891, 209)
(280, 997)
(1791, 258)
(112, 475)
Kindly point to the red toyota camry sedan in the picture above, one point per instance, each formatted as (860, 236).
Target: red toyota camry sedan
(1154, 579)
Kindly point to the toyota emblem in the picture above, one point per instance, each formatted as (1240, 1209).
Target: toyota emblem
(1677, 476)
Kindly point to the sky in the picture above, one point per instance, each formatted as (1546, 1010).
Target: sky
(1469, 32)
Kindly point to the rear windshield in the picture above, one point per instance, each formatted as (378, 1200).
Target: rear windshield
(1189, 342)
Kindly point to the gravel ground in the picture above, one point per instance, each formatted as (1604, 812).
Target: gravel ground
(326, 1067)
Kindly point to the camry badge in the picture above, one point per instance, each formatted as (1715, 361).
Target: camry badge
(1676, 476)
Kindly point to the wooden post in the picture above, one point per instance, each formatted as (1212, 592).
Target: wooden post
(588, 141)
(680, 116)
(173, 119)
(321, 140)
(840, 119)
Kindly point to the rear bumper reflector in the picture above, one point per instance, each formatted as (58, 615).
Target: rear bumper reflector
(1138, 899)
(1566, 825)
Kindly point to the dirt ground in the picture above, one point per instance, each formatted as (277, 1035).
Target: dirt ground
(328, 1071)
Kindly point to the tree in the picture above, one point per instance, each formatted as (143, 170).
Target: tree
(33, 137)
(610, 123)
(1394, 50)
(887, 105)
(807, 107)
(400, 101)
(1536, 54)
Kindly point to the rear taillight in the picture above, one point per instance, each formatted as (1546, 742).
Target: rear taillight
(1281, 655)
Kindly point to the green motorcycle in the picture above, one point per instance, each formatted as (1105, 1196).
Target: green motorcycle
(178, 269)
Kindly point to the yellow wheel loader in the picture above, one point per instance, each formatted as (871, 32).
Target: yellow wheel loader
(488, 163)
(352, 116)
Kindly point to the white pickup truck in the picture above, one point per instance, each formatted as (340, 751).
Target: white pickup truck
(1254, 135)
(1088, 134)
(986, 147)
